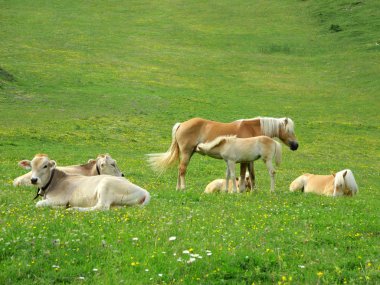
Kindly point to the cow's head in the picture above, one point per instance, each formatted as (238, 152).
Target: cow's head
(107, 165)
(41, 167)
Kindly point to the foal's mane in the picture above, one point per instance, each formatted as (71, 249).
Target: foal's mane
(271, 126)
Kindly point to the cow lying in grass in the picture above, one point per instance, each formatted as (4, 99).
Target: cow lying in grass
(83, 193)
(103, 164)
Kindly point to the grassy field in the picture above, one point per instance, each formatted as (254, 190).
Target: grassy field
(79, 78)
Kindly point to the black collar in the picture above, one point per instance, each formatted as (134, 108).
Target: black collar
(41, 191)
(97, 168)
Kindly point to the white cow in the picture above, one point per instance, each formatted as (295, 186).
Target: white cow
(83, 193)
(103, 164)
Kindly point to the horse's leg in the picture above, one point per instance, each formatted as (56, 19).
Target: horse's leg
(271, 174)
(251, 171)
(228, 173)
(231, 166)
(243, 169)
(185, 159)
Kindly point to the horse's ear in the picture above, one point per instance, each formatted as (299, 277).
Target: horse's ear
(344, 174)
(286, 121)
(333, 174)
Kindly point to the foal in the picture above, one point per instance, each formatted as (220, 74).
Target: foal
(233, 150)
(219, 185)
(339, 184)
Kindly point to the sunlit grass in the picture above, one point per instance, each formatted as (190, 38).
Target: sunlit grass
(78, 79)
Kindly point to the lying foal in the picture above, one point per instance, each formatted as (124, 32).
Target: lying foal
(234, 150)
(339, 184)
(219, 185)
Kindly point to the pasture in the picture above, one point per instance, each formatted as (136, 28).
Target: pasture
(81, 78)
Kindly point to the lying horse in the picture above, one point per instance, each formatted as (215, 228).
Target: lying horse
(103, 164)
(339, 184)
(187, 135)
(233, 150)
(219, 185)
(83, 193)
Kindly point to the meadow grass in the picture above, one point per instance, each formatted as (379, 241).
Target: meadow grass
(79, 78)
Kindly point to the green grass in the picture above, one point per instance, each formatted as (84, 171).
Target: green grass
(79, 78)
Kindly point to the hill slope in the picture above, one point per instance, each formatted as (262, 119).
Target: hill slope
(79, 78)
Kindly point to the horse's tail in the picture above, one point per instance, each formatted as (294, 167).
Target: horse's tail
(298, 183)
(206, 147)
(162, 161)
(277, 153)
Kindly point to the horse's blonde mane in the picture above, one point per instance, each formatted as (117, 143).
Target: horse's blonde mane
(271, 126)
(348, 180)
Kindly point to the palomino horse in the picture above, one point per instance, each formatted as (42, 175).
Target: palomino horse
(233, 150)
(187, 135)
(339, 184)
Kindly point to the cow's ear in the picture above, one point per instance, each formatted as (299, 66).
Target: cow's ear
(344, 174)
(25, 164)
(53, 164)
(91, 160)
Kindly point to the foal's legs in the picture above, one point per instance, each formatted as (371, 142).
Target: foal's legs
(231, 169)
(228, 174)
(272, 172)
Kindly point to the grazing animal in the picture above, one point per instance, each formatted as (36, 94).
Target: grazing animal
(187, 135)
(103, 164)
(83, 193)
(339, 184)
(219, 185)
(233, 150)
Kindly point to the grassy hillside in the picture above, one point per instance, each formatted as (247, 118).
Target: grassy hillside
(79, 78)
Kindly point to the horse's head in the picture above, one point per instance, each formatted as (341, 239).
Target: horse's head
(286, 133)
(344, 183)
(107, 165)
(42, 168)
